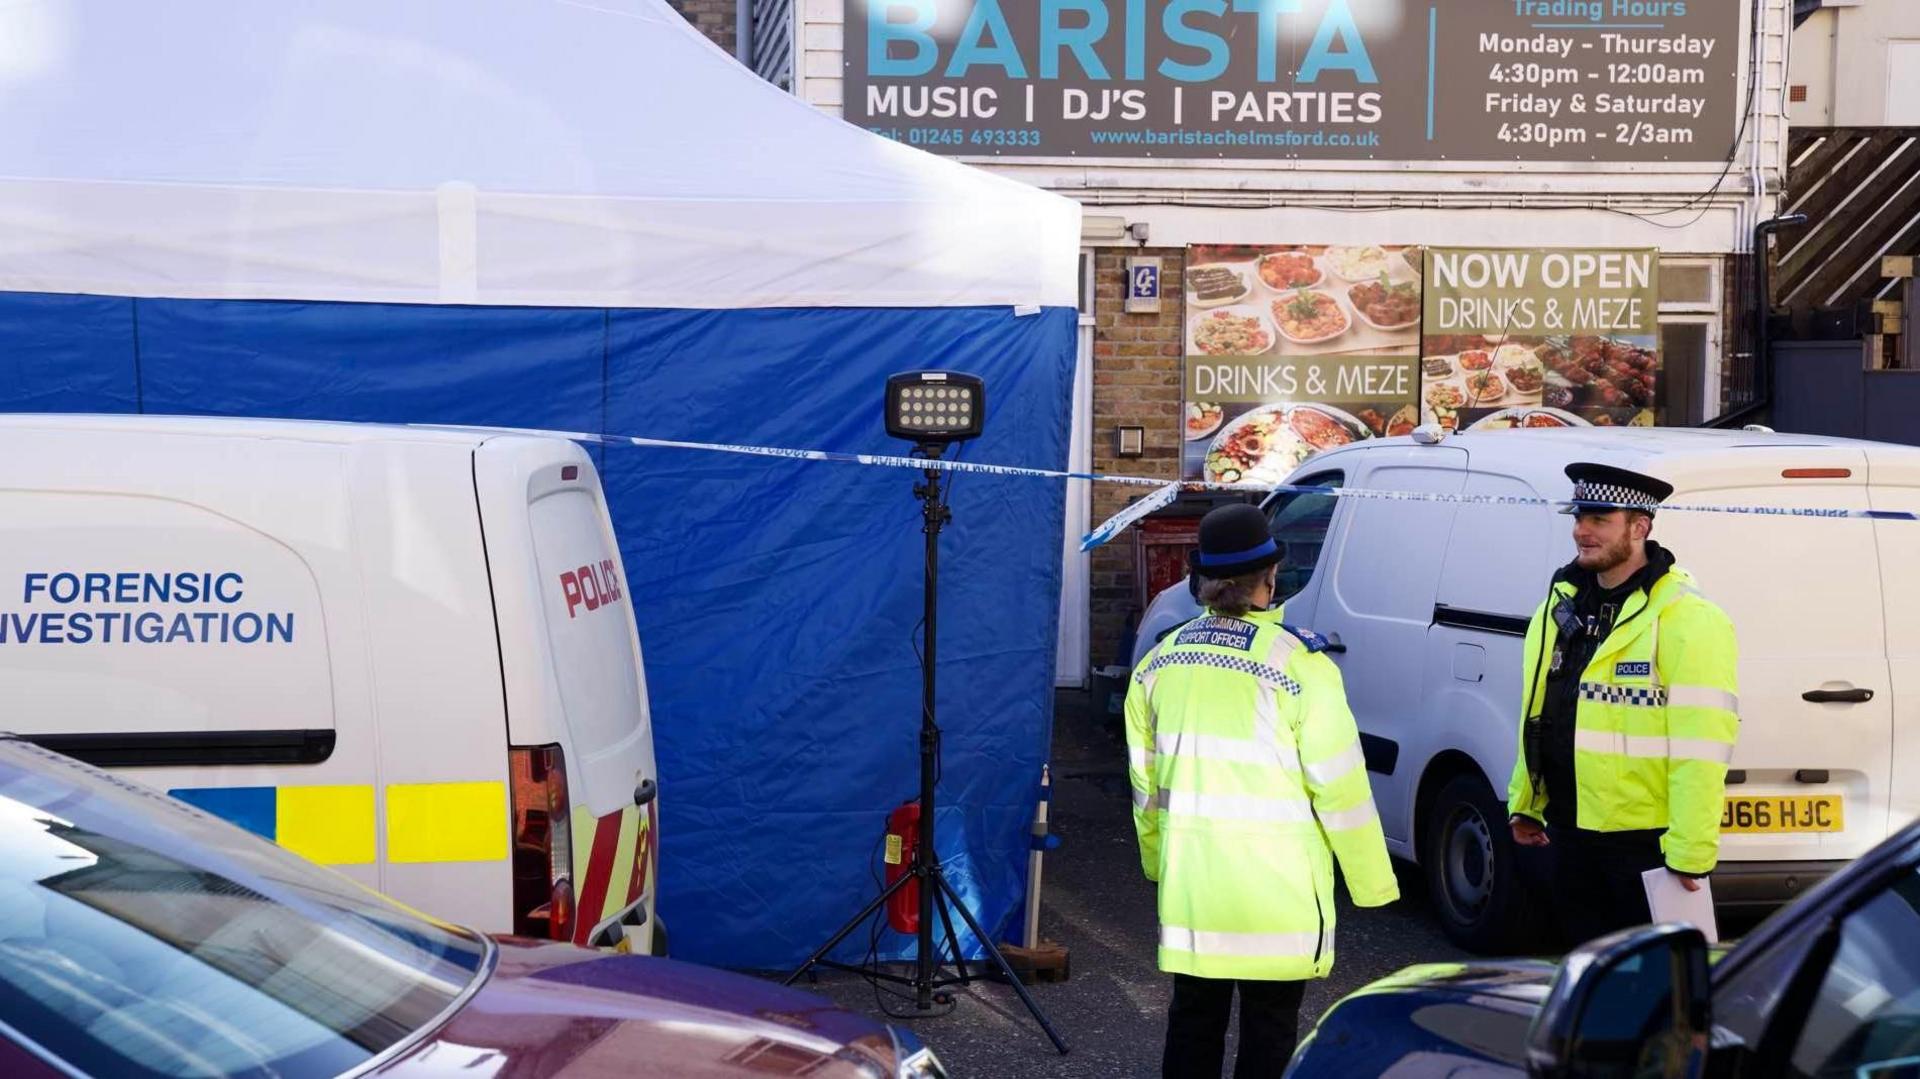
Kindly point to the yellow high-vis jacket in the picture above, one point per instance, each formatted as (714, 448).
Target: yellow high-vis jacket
(1657, 718)
(1248, 781)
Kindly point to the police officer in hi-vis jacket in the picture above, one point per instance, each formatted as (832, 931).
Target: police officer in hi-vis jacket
(1628, 713)
(1248, 783)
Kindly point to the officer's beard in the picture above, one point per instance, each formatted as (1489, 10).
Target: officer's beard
(1605, 558)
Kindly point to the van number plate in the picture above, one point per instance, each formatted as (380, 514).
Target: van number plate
(1783, 813)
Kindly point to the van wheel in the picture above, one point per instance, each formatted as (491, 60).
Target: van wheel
(1467, 852)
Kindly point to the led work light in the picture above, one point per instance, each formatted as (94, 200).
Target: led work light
(931, 409)
(935, 407)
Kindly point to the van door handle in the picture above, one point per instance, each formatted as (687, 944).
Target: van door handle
(645, 792)
(1837, 696)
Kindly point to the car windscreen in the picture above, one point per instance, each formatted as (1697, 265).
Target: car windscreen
(140, 937)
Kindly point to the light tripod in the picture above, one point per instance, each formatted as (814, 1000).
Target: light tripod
(936, 893)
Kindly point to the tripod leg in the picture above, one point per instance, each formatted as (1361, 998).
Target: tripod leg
(953, 940)
(1000, 961)
(852, 924)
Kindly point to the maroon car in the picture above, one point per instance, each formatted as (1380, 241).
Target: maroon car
(140, 937)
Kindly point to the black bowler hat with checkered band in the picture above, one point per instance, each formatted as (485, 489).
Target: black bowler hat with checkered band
(1233, 541)
(1600, 488)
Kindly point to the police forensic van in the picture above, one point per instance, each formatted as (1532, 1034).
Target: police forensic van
(404, 653)
(1430, 601)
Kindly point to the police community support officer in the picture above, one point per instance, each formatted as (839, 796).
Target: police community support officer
(1247, 781)
(1629, 714)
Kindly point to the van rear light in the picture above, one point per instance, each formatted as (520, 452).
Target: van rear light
(569, 472)
(1816, 473)
(543, 904)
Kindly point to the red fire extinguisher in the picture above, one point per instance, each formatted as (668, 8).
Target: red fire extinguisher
(903, 835)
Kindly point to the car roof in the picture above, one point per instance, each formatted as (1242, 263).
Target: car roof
(1661, 451)
(327, 431)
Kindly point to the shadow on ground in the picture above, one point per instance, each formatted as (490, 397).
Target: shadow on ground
(1112, 1010)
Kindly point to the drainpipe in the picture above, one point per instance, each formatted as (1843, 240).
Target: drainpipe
(743, 32)
(1763, 311)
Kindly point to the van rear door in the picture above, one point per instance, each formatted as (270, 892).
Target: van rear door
(572, 663)
(1816, 719)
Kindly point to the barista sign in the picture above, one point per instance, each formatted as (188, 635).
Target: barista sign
(1472, 80)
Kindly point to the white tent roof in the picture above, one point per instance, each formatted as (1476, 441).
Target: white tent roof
(472, 151)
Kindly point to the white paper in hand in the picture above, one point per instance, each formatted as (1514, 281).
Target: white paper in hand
(1670, 901)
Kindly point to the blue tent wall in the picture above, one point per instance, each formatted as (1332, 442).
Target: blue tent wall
(777, 600)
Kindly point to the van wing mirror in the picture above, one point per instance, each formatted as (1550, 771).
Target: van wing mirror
(1631, 1004)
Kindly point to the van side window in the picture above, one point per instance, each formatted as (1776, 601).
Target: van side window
(1866, 1018)
(1500, 557)
(1390, 550)
(1298, 522)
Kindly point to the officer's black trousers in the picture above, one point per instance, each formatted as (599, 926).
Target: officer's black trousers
(1197, 1027)
(1596, 880)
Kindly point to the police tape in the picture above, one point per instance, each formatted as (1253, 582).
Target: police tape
(1166, 491)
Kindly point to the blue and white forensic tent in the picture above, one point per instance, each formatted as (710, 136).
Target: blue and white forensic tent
(584, 217)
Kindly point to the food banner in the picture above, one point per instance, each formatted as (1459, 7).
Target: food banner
(1295, 349)
(1517, 337)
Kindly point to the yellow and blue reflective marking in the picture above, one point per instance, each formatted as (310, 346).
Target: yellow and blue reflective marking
(446, 822)
(337, 825)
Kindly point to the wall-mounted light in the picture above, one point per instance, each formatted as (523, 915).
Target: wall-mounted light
(1139, 231)
(1103, 228)
(1133, 441)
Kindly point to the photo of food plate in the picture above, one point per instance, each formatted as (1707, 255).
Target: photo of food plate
(1203, 419)
(1485, 387)
(1264, 445)
(1284, 271)
(1310, 317)
(1386, 306)
(1401, 422)
(1240, 330)
(1508, 355)
(1526, 376)
(1445, 395)
(1591, 372)
(1358, 264)
(1218, 283)
(1526, 416)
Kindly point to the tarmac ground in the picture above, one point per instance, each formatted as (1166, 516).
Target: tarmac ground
(1112, 1009)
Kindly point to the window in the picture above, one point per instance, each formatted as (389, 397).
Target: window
(1865, 1021)
(1689, 389)
(1391, 550)
(1299, 521)
(1500, 557)
(1903, 83)
(1690, 285)
(1690, 302)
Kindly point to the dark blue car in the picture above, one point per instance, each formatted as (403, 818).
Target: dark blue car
(1829, 986)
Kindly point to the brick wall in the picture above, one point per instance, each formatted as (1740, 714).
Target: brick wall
(1136, 382)
(714, 18)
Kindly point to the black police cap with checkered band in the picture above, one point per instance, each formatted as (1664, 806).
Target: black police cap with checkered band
(1599, 488)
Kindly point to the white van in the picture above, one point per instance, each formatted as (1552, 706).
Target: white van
(404, 653)
(1431, 599)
